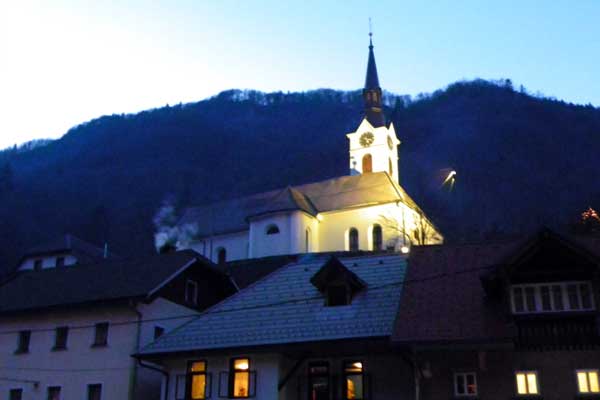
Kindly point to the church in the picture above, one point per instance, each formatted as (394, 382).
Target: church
(366, 210)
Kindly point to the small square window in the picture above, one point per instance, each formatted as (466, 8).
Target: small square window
(54, 393)
(587, 381)
(23, 342)
(191, 293)
(37, 265)
(465, 384)
(101, 334)
(60, 338)
(60, 262)
(527, 383)
(158, 332)
(15, 394)
(94, 391)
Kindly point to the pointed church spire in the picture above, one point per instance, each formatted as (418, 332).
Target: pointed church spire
(372, 91)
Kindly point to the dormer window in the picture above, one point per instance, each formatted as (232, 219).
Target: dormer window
(551, 297)
(337, 296)
(272, 229)
(337, 283)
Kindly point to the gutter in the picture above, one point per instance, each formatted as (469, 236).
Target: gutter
(133, 372)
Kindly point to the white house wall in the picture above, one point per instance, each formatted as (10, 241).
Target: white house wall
(236, 245)
(261, 244)
(77, 366)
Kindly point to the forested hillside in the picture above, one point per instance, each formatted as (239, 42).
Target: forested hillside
(521, 161)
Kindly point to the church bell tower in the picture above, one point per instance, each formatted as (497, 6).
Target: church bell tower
(374, 145)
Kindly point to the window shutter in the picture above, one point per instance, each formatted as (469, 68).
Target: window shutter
(252, 388)
(223, 384)
(335, 386)
(208, 387)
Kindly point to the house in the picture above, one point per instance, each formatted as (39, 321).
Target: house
(67, 331)
(365, 210)
(517, 319)
(317, 328)
(63, 251)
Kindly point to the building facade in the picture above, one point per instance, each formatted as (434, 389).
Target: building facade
(68, 331)
(507, 320)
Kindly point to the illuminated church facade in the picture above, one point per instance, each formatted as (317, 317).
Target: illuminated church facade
(365, 210)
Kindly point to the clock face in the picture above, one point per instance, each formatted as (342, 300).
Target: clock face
(390, 143)
(366, 139)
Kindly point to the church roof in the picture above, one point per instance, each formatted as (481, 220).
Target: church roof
(372, 80)
(329, 195)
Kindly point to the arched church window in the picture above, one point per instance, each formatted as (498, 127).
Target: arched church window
(367, 163)
(221, 255)
(391, 167)
(307, 237)
(377, 237)
(272, 229)
(353, 239)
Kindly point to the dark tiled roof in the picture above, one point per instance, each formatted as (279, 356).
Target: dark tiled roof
(444, 298)
(109, 280)
(285, 307)
(332, 194)
(85, 252)
(248, 271)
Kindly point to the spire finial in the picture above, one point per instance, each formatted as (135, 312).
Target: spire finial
(370, 34)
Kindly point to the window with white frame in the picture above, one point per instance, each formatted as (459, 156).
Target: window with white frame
(552, 297)
(465, 384)
(587, 381)
(527, 383)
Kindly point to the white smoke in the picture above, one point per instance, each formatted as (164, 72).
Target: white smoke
(168, 232)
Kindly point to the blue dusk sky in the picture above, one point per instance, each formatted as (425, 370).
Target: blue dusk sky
(65, 62)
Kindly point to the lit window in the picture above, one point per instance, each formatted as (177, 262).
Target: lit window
(318, 381)
(272, 230)
(354, 388)
(196, 377)
(527, 383)
(23, 342)
(94, 391)
(54, 393)
(465, 384)
(15, 394)
(377, 238)
(60, 338)
(353, 239)
(587, 381)
(191, 292)
(553, 297)
(239, 378)
(101, 334)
